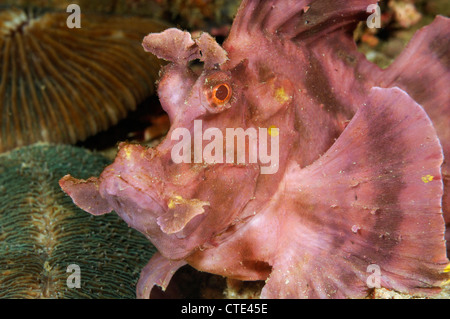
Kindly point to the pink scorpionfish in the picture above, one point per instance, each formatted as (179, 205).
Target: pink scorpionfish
(291, 159)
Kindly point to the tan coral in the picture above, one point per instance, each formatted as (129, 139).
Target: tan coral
(62, 85)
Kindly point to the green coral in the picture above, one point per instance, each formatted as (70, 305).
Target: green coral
(42, 232)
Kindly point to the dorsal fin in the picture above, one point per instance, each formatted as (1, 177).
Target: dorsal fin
(298, 19)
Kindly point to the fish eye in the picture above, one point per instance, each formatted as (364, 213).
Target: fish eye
(221, 93)
(216, 91)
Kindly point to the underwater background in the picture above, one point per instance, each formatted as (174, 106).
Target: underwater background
(68, 96)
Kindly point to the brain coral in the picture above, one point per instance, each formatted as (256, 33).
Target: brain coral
(42, 232)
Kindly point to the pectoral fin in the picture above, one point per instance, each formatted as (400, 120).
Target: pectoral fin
(422, 70)
(373, 199)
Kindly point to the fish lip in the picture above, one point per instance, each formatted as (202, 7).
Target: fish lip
(229, 231)
(159, 207)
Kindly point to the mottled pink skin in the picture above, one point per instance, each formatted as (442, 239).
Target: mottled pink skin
(358, 181)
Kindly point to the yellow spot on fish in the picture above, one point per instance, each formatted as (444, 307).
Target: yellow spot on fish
(274, 131)
(281, 95)
(427, 179)
(128, 153)
(447, 269)
(175, 201)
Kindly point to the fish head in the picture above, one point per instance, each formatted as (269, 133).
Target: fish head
(216, 152)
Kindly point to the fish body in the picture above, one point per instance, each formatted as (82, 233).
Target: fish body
(339, 171)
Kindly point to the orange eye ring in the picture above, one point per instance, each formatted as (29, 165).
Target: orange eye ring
(221, 93)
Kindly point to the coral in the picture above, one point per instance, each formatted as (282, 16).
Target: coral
(62, 85)
(42, 232)
(353, 178)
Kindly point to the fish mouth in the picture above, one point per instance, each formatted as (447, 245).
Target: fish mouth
(235, 227)
(151, 203)
(135, 212)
